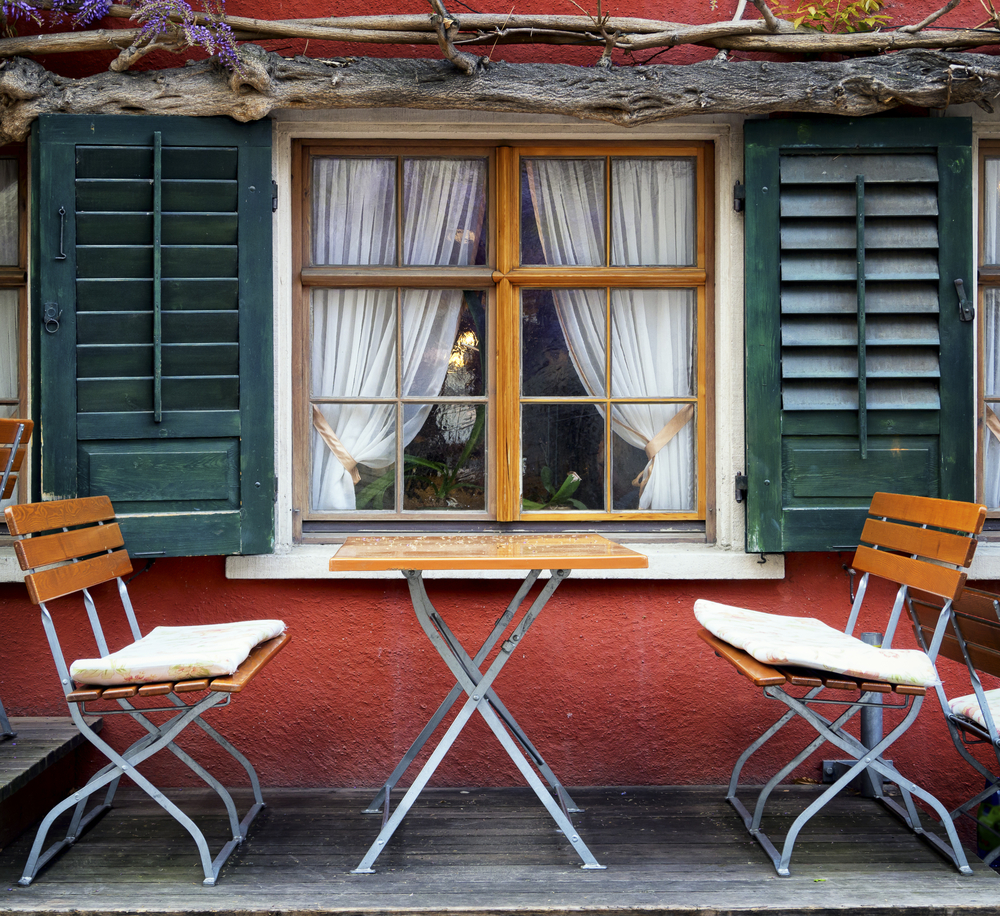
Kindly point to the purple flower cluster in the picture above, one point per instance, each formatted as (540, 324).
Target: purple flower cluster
(210, 33)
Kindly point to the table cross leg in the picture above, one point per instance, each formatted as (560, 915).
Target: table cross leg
(478, 691)
(452, 697)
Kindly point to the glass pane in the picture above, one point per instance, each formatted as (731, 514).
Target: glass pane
(653, 350)
(353, 440)
(666, 482)
(354, 211)
(444, 211)
(563, 212)
(991, 341)
(991, 211)
(562, 343)
(653, 212)
(563, 457)
(446, 460)
(9, 219)
(8, 344)
(443, 342)
(353, 347)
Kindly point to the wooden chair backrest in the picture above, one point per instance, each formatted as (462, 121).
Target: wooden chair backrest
(921, 542)
(8, 432)
(80, 535)
(976, 618)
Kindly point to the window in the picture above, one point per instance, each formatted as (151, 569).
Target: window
(13, 297)
(509, 334)
(989, 323)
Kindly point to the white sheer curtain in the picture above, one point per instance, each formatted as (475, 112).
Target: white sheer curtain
(353, 351)
(652, 331)
(991, 385)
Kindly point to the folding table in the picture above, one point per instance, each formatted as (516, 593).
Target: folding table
(480, 553)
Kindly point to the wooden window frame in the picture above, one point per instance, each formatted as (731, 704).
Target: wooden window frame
(503, 278)
(988, 278)
(16, 277)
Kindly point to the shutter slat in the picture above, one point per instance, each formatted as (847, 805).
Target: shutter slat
(876, 167)
(880, 297)
(839, 202)
(834, 234)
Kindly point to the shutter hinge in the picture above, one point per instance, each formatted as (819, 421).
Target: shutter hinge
(274, 196)
(742, 486)
(739, 196)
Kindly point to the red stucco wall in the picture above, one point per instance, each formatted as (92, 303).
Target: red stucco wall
(612, 684)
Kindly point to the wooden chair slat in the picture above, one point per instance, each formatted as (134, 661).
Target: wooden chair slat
(120, 693)
(255, 661)
(8, 428)
(84, 695)
(876, 687)
(762, 675)
(909, 690)
(923, 510)
(18, 457)
(838, 682)
(155, 690)
(62, 580)
(30, 518)
(798, 679)
(920, 574)
(46, 549)
(191, 686)
(924, 542)
(977, 603)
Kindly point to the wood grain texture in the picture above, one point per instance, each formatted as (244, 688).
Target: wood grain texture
(64, 580)
(29, 518)
(480, 552)
(626, 96)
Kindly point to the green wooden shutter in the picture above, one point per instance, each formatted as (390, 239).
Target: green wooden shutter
(859, 366)
(154, 317)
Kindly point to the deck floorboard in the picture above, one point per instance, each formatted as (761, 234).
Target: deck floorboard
(670, 850)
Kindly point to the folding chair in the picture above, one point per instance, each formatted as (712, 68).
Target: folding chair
(915, 542)
(973, 640)
(70, 546)
(14, 436)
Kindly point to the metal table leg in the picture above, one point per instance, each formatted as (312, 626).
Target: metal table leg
(478, 688)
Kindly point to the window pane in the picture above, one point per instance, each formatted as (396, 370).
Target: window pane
(444, 210)
(991, 387)
(653, 212)
(654, 457)
(991, 211)
(353, 456)
(563, 457)
(8, 344)
(443, 337)
(446, 461)
(563, 212)
(9, 216)
(653, 352)
(354, 211)
(562, 343)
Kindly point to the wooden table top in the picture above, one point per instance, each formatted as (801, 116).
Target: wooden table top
(484, 552)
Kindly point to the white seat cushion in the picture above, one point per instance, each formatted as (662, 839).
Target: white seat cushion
(968, 707)
(178, 654)
(810, 643)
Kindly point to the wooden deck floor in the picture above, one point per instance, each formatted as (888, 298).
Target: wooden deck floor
(493, 851)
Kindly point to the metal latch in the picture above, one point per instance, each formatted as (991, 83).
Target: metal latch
(966, 310)
(742, 486)
(739, 196)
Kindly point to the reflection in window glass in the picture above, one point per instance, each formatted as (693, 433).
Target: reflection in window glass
(549, 365)
(563, 457)
(653, 212)
(446, 460)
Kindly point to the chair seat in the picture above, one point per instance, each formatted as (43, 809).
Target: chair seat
(968, 707)
(177, 653)
(802, 641)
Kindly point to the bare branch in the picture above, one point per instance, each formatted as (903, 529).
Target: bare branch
(920, 26)
(773, 23)
(447, 28)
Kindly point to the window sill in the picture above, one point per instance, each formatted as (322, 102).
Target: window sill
(666, 561)
(986, 562)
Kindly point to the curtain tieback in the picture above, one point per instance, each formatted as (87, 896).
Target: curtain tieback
(673, 426)
(992, 422)
(327, 434)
